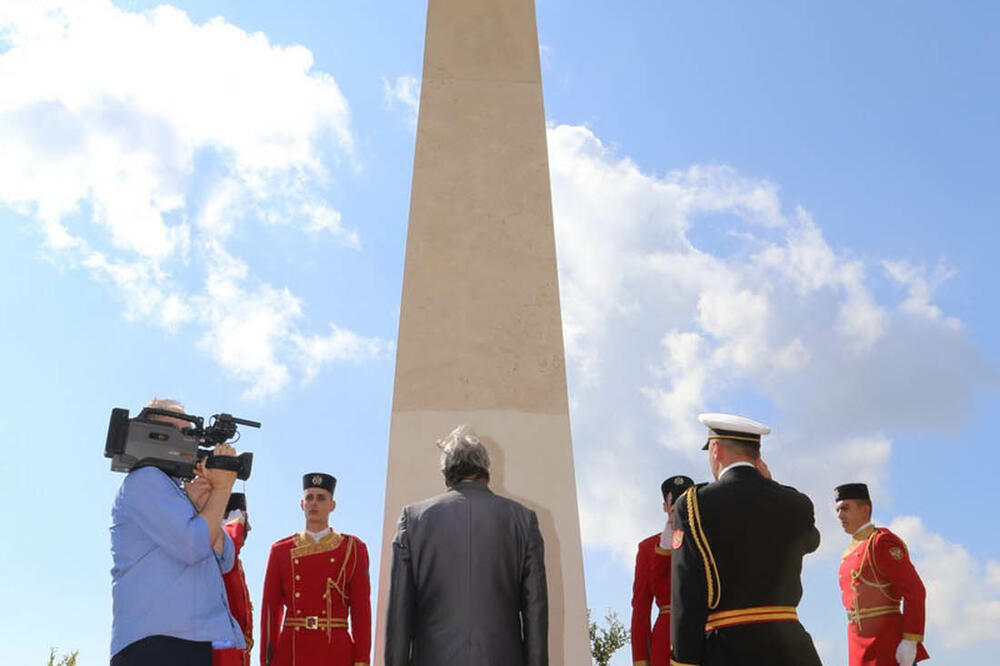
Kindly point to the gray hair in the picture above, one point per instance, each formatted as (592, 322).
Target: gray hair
(168, 404)
(463, 456)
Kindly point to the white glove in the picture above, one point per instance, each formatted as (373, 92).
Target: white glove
(906, 652)
(665, 537)
(235, 514)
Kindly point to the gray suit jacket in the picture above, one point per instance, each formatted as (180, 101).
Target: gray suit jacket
(468, 583)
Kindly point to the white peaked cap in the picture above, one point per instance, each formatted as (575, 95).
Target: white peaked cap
(730, 426)
(733, 423)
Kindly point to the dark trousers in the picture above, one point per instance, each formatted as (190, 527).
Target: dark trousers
(164, 651)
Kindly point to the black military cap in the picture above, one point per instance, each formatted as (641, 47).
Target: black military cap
(237, 502)
(855, 491)
(675, 486)
(319, 480)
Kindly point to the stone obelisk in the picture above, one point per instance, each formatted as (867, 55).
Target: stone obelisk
(480, 332)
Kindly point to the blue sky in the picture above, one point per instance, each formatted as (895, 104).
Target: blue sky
(781, 209)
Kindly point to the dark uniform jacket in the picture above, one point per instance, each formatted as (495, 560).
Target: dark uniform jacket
(468, 583)
(739, 545)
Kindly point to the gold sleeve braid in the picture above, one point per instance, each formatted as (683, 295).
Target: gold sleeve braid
(712, 580)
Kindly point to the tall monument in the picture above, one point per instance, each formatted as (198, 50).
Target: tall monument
(480, 332)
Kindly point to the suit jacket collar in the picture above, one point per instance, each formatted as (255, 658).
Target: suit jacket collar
(470, 485)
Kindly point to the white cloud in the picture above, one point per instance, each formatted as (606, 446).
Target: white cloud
(993, 572)
(963, 595)
(403, 92)
(696, 291)
(338, 345)
(140, 141)
(920, 288)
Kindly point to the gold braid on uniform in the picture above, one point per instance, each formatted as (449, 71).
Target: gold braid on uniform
(339, 584)
(712, 580)
(869, 556)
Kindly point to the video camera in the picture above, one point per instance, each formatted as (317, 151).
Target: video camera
(146, 441)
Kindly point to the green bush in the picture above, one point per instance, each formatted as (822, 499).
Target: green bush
(604, 642)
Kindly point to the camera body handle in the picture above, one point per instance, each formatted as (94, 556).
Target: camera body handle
(240, 464)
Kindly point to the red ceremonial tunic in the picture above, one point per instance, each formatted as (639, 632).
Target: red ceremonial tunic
(312, 591)
(651, 584)
(875, 576)
(239, 601)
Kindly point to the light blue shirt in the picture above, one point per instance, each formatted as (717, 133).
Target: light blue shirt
(166, 579)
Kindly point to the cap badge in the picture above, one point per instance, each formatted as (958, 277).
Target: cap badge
(896, 553)
(678, 482)
(317, 479)
(678, 539)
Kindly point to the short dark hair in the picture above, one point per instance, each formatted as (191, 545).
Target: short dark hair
(738, 448)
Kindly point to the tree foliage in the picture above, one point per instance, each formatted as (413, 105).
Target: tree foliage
(605, 641)
(65, 660)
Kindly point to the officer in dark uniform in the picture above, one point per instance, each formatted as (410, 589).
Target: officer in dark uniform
(738, 545)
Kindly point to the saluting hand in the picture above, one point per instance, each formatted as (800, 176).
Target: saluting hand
(762, 467)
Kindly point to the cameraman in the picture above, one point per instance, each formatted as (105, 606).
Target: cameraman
(169, 552)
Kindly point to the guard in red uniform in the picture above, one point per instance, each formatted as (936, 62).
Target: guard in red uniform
(316, 607)
(237, 526)
(876, 574)
(652, 584)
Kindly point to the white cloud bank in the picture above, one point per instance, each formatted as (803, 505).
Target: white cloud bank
(141, 142)
(700, 290)
(963, 596)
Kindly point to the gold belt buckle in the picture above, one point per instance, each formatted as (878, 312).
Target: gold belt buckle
(312, 622)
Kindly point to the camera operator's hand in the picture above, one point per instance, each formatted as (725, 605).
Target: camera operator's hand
(198, 491)
(221, 479)
(220, 482)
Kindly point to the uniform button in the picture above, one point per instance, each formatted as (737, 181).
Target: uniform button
(298, 612)
(297, 628)
(297, 595)
(296, 561)
(331, 559)
(298, 577)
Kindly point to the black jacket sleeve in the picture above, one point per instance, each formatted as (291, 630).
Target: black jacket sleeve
(689, 593)
(811, 537)
(534, 598)
(402, 599)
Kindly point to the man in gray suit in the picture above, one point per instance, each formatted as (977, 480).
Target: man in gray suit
(468, 573)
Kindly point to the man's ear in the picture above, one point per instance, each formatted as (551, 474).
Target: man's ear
(333, 502)
(302, 504)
